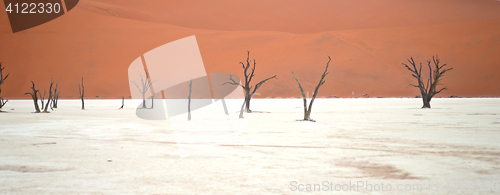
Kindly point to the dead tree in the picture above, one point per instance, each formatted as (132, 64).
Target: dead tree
(42, 98)
(123, 103)
(189, 99)
(241, 110)
(249, 74)
(428, 90)
(55, 97)
(145, 85)
(81, 89)
(34, 96)
(2, 80)
(307, 110)
(50, 96)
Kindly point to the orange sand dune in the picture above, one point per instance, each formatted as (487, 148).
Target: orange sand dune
(297, 16)
(367, 42)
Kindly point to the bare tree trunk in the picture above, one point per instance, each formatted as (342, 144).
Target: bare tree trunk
(2, 102)
(306, 114)
(242, 107)
(52, 102)
(426, 102)
(143, 100)
(247, 103)
(34, 96)
(55, 97)
(35, 99)
(224, 106)
(189, 99)
(321, 82)
(37, 109)
(123, 103)
(42, 98)
(50, 96)
(308, 110)
(152, 101)
(82, 93)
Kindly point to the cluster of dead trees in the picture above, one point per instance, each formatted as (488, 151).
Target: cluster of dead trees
(428, 89)
(52, 99)
(249, 73)
(53, 96)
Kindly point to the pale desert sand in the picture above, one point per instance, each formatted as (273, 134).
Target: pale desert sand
(103, 150)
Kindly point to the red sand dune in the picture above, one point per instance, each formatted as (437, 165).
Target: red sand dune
(367, 40)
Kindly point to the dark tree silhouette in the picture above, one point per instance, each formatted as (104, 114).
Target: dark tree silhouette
(81, 89)
(249, 74)
(50, 96)
(307, 110)
(2, 80)
(429, 90)
(34, 96)
(189, 99)
(145, 85)
(55, 97)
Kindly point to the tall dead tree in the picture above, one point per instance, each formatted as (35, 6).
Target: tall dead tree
(249, 73)
(81, 89)
(34, 96)
(428, 89)
(145, 85)
(2, 80)
(189, 99)
(307, 110)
